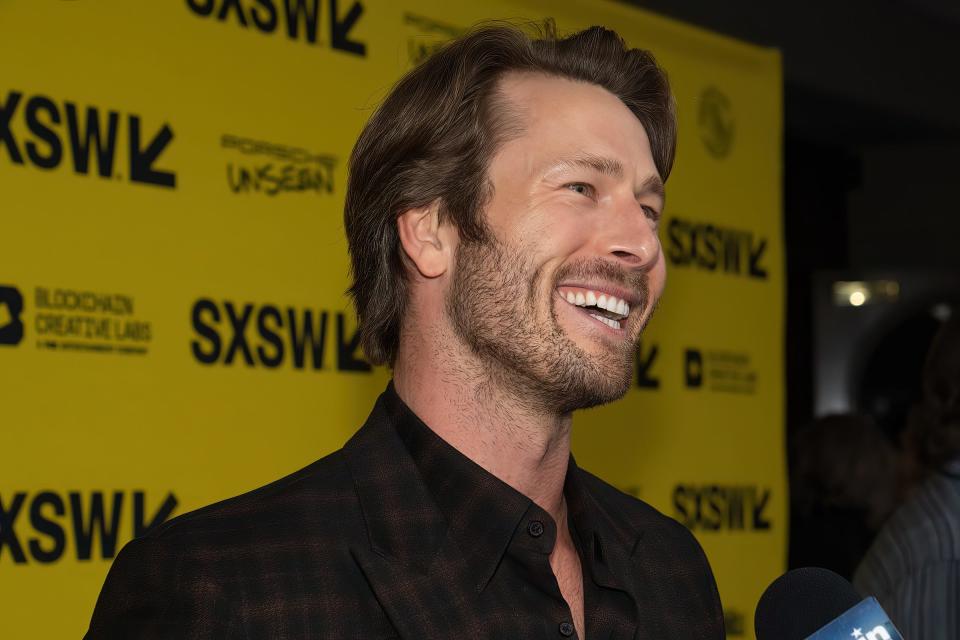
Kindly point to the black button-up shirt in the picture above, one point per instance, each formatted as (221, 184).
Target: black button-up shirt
(506, 539)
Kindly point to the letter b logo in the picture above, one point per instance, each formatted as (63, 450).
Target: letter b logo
(11, 306)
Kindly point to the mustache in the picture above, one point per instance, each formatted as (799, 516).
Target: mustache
(636, 281)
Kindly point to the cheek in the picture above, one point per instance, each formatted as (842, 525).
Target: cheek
(550, 244)
(560, 239)
(658, 277)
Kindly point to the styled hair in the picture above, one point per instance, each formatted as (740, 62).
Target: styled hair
(432, 138)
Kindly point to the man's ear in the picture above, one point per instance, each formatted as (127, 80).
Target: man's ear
(426, 243)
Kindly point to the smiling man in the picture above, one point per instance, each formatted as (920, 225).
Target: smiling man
(502, 217)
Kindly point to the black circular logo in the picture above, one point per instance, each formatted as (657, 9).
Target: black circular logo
(717, 125)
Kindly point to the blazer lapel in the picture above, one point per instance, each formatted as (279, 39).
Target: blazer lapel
(415, 570)
(430, 604)
(632, 568)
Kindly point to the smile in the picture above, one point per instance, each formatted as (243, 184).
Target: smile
(602, 306)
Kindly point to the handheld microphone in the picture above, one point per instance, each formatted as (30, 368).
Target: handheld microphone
(817, 604)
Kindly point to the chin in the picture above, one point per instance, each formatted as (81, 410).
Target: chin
(598, 380)
(589, 398)
(591, 369)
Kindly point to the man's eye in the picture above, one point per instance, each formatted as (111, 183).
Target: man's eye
(582, 188)
(652, 213)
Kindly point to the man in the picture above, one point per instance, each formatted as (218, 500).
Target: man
(913, 566)
(502, 220)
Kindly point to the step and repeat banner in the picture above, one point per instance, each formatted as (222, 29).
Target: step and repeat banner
(173, 327)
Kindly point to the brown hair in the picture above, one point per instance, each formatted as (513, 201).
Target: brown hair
(432, 138)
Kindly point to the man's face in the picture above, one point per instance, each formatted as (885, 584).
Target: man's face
(573, 221)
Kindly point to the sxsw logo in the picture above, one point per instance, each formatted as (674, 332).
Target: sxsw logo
(718, 249)
(11, 306)
(48, 526)
(298, 20)
(716, 507)
(268, 336)
(54, 131)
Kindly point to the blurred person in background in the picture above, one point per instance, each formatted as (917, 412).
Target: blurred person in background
(913, 566)
(841, 491)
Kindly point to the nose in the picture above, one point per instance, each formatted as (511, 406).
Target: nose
(629, 236)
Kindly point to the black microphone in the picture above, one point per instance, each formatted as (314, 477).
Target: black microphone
(818, 604)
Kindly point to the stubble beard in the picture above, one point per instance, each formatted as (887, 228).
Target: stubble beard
(492, 307)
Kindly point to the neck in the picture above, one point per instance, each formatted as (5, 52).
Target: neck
(484, 416)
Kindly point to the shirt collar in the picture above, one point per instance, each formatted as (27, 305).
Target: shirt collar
(483, 513)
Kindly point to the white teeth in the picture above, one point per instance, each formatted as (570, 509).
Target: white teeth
(613, 324)
(591, 299)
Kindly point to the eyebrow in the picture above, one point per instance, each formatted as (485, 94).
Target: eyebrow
(654, 185)
(614, 168)
(600, 164)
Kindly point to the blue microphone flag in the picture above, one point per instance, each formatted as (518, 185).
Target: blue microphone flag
(866, 621)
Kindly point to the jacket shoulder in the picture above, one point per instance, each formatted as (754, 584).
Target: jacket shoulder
(314, 493)
(236, 561)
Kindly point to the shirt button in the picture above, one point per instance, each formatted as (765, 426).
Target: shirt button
(566, 629)
(535, 528)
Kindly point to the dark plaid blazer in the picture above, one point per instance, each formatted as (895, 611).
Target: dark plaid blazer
(355, 546)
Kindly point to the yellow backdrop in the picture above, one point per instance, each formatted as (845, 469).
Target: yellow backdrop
(173, 328)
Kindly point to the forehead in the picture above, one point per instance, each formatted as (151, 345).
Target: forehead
(560, 117)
